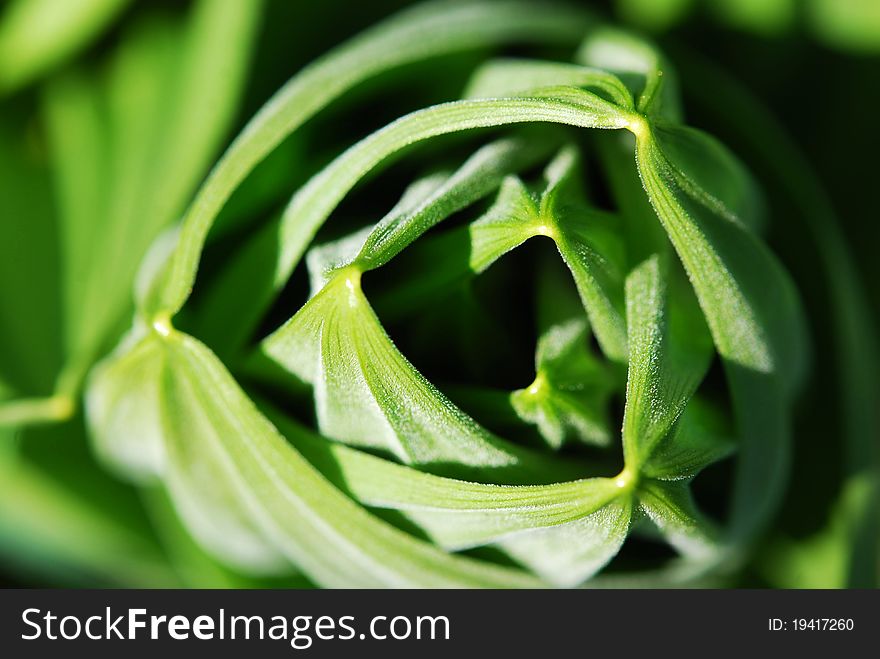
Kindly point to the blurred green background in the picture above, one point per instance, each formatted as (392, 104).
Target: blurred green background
(805, 72)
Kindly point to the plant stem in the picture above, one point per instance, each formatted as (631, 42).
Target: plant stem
(23, 411)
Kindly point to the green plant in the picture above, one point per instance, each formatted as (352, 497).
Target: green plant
(662, 274)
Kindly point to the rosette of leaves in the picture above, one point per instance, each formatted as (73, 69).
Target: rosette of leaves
(295, 435)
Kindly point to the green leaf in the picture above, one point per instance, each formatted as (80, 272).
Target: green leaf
(510, 77)
(569, 555)
(482, 173)
(722, 259)
(75, 120)
(756, 323)
(663, 374)
(37, 35)
(368, 394)
(193, 435)
(588, 242)
(460, 514)
(670, 507)
(570, 392)
(419, 33)
(570, 395)
(128, 405)
(209, 81)
(196, 568)
(135, 91)
(639, 65)
(565, 532)
(710, 173)
(510, 221)
(144, 129)
(29, 272)
(121, 402)
(698, 440)
(332, 539)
